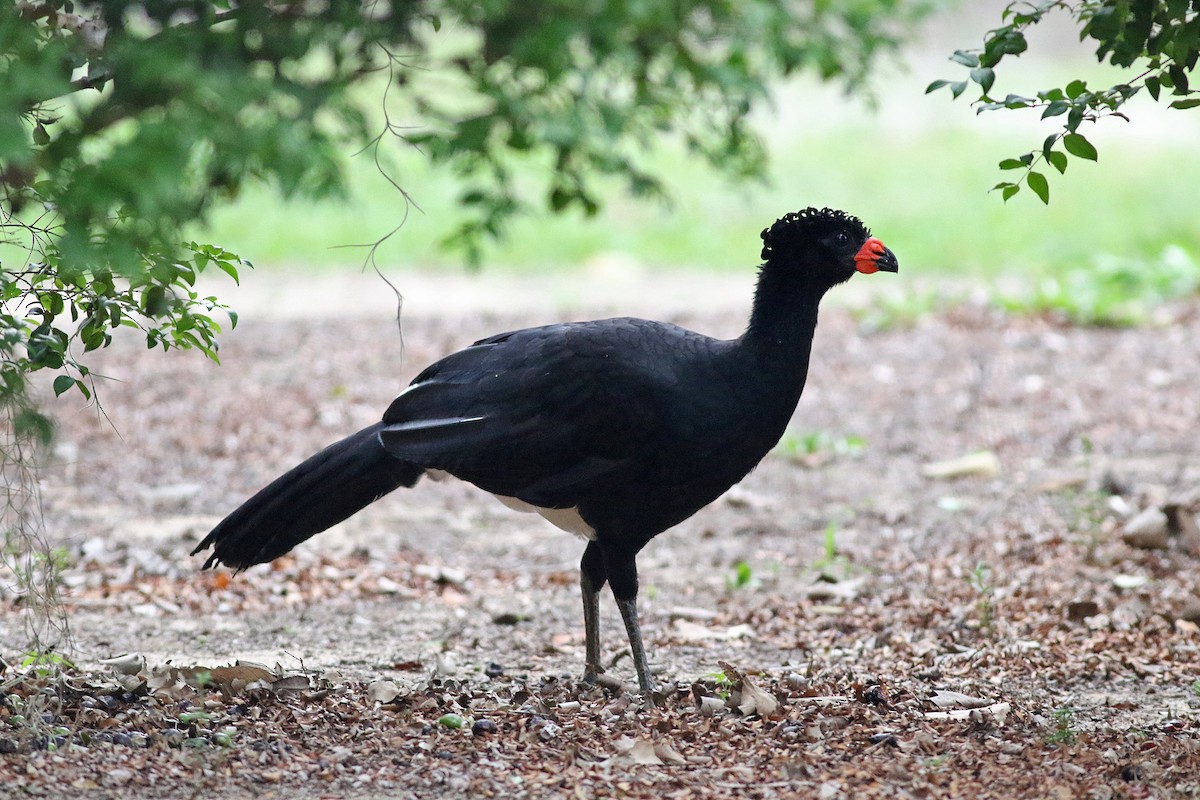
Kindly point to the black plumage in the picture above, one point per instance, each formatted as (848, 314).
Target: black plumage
(617, 429)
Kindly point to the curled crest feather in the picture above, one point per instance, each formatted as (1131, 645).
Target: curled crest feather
(797, 226)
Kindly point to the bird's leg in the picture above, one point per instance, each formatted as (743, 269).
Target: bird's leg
(628, 608)
(591, 581)
(622, 578)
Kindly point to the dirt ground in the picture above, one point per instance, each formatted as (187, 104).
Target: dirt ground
(845, 623)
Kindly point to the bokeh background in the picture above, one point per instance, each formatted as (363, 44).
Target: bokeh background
(916, 167)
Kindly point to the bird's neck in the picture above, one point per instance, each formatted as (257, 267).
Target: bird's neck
(783, 320)
(772, 357)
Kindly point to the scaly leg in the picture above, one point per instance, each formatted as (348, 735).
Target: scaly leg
(591, 581)
(623, 579)
(628, 608)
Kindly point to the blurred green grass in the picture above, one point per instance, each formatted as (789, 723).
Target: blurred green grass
(919, 176)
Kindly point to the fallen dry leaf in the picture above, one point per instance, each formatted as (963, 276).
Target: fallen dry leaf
(996, 712)
(947, 699)
(668, 754)
(984, 463)
(756, 701)
(635, 751)
(128, 664)
(382, 691)
(688, 631)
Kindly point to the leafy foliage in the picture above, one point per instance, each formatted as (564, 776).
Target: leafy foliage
(585, 89)
(801, 445)
(1111, 292)
(122, 122)
(1156, 41)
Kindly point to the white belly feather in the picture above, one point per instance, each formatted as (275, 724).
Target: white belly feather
(566, 519)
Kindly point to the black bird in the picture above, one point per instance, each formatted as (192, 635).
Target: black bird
(614, 429)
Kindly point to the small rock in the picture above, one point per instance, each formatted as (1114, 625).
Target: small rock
(385, 585)
(128, 664)
(493, 670)
(1147, 530)
(1182, 523)
(830, 790)
(483, 727)
(440, 574)
(738, 497)
(1115, 485)
(1191, 612)
(1129, 582)
(1079, 610)
(797, 681)
(118, 777)
(1120, 506)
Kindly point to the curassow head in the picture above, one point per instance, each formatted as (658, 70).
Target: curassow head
(825, 246)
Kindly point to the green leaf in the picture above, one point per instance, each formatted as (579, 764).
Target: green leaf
(1075, 88)
(965, 58)
(1075, 117)
(1179, 78)
(985, 77)
(229, 269)
(1012, 163)
(1009, 191)
(1153, 86)
(559, 198)
(938, 84)
(1191, 102)
(1055, 108)
(1058, 160)
(1040, 186)
(1079, 147)
(31, 423)
(958, 88)
(63, 383)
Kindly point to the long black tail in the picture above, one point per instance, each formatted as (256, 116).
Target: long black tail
(322, 491)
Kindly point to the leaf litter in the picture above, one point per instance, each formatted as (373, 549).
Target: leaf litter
(1068, 667)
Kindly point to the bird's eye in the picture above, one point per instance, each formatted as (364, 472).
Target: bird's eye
(842, 239)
